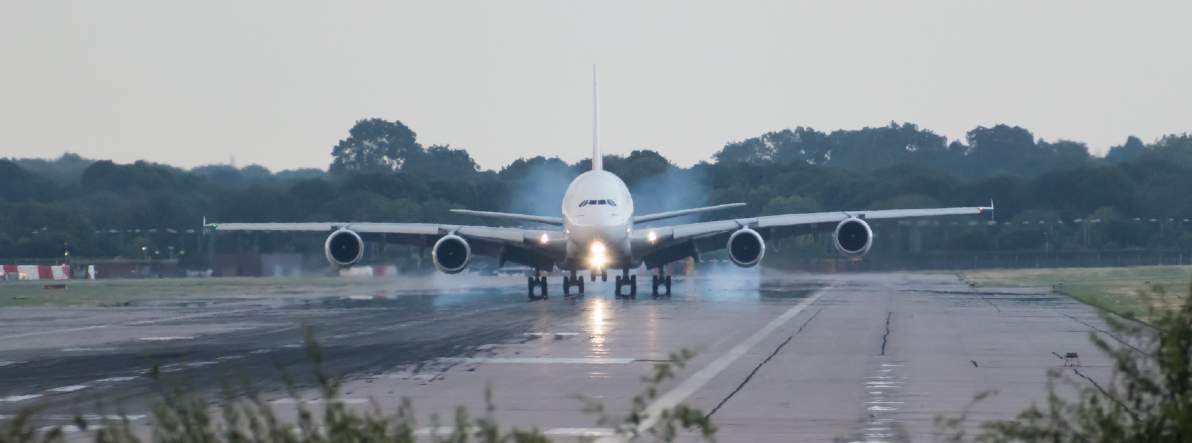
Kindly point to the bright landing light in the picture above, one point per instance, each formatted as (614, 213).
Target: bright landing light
(597, 260)
(544, 239)
(652, 237)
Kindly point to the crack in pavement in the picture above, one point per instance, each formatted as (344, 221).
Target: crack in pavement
(759, 365)
(886, 336)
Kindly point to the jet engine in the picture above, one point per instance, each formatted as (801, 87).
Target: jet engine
(746, 247)
(853, 236)
(343, 248)
(451, 254)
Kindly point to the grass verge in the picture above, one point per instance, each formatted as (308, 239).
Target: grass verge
(1117, 290)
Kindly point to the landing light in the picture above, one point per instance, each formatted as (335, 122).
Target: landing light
(545, 239)
(597, 248)
(598, 261)
(652, 237)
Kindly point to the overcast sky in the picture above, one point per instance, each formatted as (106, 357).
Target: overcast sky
(279, 82)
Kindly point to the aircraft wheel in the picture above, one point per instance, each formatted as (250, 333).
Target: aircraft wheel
(580, 282)
(633, 286)
(668, 286)
(617, 292)
(566, 286)
(531, 285)
(603, 275)
(542, 284)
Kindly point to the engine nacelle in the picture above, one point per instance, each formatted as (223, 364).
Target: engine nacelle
(451, 254)
(746, 247)
(853, 237)
(343, 248)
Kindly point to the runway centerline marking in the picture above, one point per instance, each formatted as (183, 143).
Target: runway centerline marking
(701, 378)
(17, 398)
(544, 360)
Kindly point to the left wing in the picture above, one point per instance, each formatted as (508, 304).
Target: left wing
(707, 236)
(524, 246)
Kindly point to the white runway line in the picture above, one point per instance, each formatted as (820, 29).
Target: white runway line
(135, 323)
(346, 401)
(543, 360)
(701, 378)
(168, 338)
(18, 398)
(71, 388)
(551, 334)
(579, 432)
(9, 363)
(115, 379)
(53, 331)
(109, 349)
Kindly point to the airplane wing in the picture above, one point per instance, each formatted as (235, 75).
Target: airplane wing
(682, 212)
(662, 243)
(523, 246)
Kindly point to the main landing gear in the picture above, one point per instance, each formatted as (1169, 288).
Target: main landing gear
(574, 280)
(626, 280)
(536, 282)
(659, 281)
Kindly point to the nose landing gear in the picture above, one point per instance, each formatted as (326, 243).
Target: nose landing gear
(574, 280)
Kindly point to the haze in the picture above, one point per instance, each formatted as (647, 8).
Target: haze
(278, 83)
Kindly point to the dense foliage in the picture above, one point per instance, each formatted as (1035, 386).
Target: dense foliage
(381, 173)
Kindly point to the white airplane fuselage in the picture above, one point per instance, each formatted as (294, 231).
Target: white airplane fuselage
(597, 220)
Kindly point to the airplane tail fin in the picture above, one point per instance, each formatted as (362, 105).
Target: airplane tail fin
(597, 156)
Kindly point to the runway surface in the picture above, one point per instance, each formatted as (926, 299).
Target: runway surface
(779, 357)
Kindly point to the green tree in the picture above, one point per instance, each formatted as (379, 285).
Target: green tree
(375, 145)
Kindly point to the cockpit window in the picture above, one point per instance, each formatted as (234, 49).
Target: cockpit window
(597, 202)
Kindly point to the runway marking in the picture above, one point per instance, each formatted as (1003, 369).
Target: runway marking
(168, 338)
(71, 388)
(544, 360)
(54, 331)
(70, 428)
(18, 398)
(115, 379)
(9, 363)
(551, 334)
(346, 401)
(701, 378)
(106, 349)
(229, 357)
(135, 323)
(190, 316)
(579, 432)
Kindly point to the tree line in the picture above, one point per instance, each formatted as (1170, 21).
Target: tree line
(380, 172)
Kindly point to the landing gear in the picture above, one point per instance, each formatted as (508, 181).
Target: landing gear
(626, 280)
(573, 280)
(660, 281)
(536, 282)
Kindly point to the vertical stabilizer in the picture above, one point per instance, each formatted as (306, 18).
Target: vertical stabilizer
(597, 157)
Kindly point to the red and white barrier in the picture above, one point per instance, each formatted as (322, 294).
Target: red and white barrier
(35, 272)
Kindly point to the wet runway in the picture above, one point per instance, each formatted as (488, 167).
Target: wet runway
(869, 357)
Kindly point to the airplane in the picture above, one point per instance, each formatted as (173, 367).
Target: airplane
(596, 232)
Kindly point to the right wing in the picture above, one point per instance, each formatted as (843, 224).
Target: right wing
(665, 243)
(523, 246)
(682, 212)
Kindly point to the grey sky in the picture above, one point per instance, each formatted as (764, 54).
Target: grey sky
(279, 82)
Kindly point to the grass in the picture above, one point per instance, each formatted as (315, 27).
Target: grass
(1117, 290)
